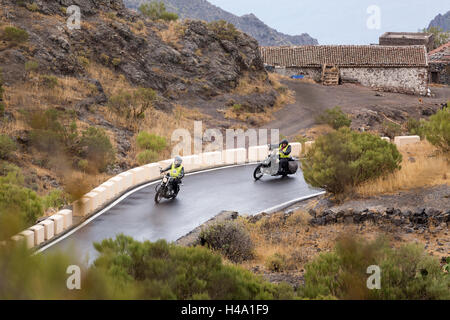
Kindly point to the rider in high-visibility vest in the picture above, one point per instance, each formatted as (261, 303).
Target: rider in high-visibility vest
(284, 155)
(176, 171)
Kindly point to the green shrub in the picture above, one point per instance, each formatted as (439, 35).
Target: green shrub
(335, 118)
(55, 199)
(52, 131)
(391, 129)
(49, 81)
(150, 141)
(31, 66)
(237, 108)
(345, 158)
(146, 157)
(21, 202)
(166, 271)
(33, 7)
(83, 164)
(116, 62)
(157, 11)
(229, 238)
(83, 61)
(97, 147)
(407, 273)
(437, 129)
(415, 127)
(11, 174)
(224, 30)
(7, 146)
(276, 263)
(14, 34)
(133, 104)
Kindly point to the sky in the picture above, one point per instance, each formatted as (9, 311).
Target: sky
(340, 21)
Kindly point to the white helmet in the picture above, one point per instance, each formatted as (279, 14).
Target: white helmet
(178, 161)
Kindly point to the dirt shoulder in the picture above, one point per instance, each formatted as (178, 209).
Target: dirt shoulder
(367, 107)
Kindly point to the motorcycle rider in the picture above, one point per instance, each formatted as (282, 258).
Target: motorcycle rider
(176, 173)
(284, 155)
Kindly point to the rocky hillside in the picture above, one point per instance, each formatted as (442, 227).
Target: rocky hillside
(120, 73)
(250, 24)
(441, 21)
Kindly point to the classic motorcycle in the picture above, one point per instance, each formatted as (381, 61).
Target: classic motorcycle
(165, 189)
(271, 165)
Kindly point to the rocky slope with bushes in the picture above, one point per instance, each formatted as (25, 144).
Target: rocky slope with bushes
(249, 23)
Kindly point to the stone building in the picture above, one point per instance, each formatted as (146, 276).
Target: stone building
(407, 39)
(439, 61)
(388, 68)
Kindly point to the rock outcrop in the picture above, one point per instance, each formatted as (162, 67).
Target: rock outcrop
(249, 23)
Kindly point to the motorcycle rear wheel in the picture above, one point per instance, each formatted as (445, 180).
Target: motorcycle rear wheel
(257, 174)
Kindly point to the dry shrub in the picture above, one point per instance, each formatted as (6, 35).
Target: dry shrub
(230, 238)
(422, 166)
(173, 33)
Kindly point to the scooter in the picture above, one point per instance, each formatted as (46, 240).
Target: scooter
(271, 165)
(165, 190)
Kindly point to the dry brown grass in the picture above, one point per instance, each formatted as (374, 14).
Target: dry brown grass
(422, 166)
(289, 237)
(172, 35)
(249, 86)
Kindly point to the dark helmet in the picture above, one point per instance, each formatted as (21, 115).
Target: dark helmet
(178, 161)
(284, 142)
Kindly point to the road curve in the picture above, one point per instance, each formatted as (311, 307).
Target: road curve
(202, 196)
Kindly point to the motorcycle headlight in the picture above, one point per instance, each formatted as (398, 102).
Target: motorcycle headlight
(165, 179)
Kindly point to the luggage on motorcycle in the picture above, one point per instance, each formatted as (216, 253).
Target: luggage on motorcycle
(293, 167)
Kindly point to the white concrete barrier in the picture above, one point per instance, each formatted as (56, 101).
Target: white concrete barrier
(39, 234)
(101, 197)
(258, 153)
(308, 145)
(93, 202)
(49, 228)
(163, 164)
(81, 207)
(127, 180)
(211, 159)
(28, 236)
(138, 176)
(58, 221)
(296, 149)
(192, 163)
(111, 192)
(18, 238)
(151, 171)
(234, 156)
(404, 140)
(386, 139)
(67, 214)
(118, 185)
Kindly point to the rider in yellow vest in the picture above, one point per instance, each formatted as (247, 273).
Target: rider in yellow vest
(285, 155)
(176, 172)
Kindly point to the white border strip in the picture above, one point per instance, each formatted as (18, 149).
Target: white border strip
(291, 202)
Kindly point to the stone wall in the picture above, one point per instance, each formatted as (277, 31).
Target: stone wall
(402, 80)
(443, 69)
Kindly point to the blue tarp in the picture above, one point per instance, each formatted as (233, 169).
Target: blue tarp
(298, 76)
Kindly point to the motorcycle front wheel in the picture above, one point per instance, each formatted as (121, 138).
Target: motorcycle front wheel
(258, 174)
(158, 196)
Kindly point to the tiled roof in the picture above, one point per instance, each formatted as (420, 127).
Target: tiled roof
(346, 56)
(441, 54)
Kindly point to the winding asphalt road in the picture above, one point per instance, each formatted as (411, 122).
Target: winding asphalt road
(202, 196)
